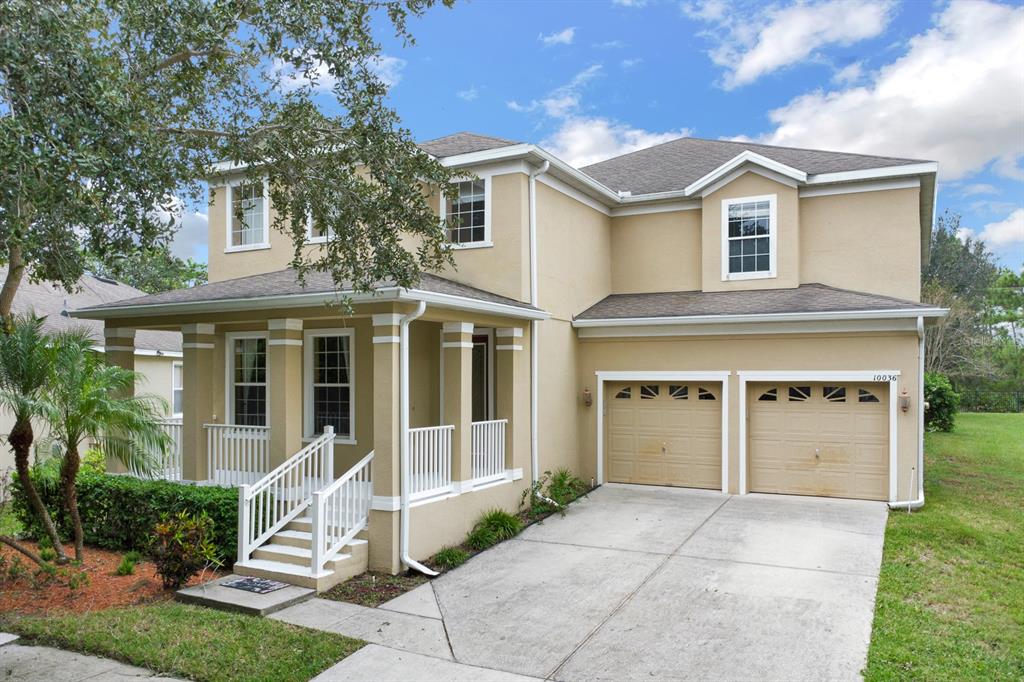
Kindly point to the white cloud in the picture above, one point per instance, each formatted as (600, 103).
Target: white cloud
(849, 74)
(469, 94)
(1005, 232)
(610, 45)
(387, 68)
(752, 45)
(630, 63)
(582, 140)
(563, 100)
(954, 96)
(978, 188)
(563, 37)
(964, 233)
(629, 3)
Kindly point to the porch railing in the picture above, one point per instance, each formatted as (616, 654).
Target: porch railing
(488, 449)
(170, 465)
(430, 460)
(340, 511)
(236, 454)
(268, 505)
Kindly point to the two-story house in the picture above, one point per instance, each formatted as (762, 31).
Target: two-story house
(701, 313)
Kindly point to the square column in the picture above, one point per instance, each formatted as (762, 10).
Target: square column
(508, 347)
(457, 345)
(284, 385)
(119, 351)
(383, 525)
(197, 398)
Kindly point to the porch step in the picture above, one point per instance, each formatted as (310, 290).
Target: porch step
(304, 524)
(340, 568)
(296, 538)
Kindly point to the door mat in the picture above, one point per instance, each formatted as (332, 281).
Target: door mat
(257, 585)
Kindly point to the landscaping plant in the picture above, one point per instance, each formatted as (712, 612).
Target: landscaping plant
(450, 557)
(551, 492)
(182, 546)
(941, 402)
(493, 527)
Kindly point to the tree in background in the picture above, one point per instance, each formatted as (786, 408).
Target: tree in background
(112, 113)
(152, 270)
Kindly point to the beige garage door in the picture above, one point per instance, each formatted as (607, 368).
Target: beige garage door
(664, 434)
(819, 439)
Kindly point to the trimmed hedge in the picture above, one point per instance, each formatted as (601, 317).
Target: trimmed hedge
(120, 512)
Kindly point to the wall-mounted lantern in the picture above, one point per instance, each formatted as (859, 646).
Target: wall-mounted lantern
(904, 401)
(588, 397)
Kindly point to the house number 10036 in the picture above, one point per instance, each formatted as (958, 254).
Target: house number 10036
(885, 377)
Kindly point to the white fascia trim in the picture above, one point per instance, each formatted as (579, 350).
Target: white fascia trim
(865, 375)
(616, 375)
(811, 327)
(874, 173)
(461, 303)
(762, 317)
(737, 161)
(763, 172)
(877, 186)
(667, 207)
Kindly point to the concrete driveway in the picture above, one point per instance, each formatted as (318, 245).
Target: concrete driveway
(648, 583)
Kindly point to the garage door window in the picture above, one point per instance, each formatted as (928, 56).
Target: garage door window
(866, 396)
(625, 394)
(679, 392)
(834, 394)
(649, 391)
(769, 396)
(705, 394)
(799, 393)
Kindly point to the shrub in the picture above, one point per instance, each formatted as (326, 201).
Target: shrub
(47, 553)
(565, 486)
(942, 402)
(450, 557)
(561, 487)
(127, 565)
(182, 546)
(119, 512)
(492, 527)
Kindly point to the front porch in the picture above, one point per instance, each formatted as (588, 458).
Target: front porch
(303, 414)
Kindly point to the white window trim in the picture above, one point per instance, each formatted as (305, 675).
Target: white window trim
(310, 239)
(229, 372)
(773, 238)
(174, 365)
(229, 214)
(486, 243)
(307, 382)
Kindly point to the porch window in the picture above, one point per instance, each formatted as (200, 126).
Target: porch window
(177, 388)
(249, 386)
(329, 382)
(247, 219)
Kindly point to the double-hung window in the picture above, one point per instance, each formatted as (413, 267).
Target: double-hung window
(329, 382)
(318, 231)
(248, 221)
(177, 388)
(468, 214)
(248, 371)
(748, 237)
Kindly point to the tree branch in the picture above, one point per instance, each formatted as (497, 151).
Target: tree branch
(11, 542)
(185, 55)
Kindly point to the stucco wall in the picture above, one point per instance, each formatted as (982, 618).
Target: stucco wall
(824, 352)
(656, 252)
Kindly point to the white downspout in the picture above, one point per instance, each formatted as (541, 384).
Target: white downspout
(403, 430)
(919, 473)
(534, 327)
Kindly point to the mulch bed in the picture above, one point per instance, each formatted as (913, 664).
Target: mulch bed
(102, 589)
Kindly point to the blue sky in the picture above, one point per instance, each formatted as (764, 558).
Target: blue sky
(590, 80)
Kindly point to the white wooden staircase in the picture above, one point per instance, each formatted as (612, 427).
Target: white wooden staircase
(301, 526)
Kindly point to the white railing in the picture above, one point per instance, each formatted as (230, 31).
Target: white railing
(340, 511)
(268, 505)
(488, 449)
(170, 465)
(237, 454)
(430, 461)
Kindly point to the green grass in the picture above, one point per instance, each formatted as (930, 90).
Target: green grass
(191, 641)
(951, 593)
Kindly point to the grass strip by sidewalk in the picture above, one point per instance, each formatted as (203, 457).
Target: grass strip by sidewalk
(191, 641)
(951, 592)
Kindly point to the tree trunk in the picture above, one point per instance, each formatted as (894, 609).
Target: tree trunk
(21, 442)
(15, 272)
(68, 473)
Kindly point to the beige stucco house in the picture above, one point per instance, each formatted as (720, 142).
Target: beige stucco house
(701, 313)
(157, 354)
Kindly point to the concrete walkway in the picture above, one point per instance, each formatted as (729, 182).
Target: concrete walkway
(638, 583)
(45, 664)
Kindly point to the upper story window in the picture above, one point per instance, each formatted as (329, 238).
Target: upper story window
(469, 214)
(748, 237)
(248, 220)
(318, 231)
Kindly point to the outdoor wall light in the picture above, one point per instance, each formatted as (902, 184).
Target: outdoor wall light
(588, 397)
(904, 401)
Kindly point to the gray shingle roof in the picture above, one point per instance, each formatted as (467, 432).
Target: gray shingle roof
(806, 298)
(50, 301)
(674, 165)
(463, 143)
(285, 283)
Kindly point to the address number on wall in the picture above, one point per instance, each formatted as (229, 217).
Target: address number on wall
(885, 377)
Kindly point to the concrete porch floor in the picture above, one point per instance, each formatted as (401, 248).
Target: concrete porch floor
(639, 582)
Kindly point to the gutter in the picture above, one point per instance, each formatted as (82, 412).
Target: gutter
(762, 317)
(918, 472)
(403, 429)
(534, 327)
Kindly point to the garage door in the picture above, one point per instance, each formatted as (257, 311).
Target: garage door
(665, 434)
(819, 439)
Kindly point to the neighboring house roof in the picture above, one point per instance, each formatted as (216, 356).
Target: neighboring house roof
(52, 302)
(319, 285)
(463, 143)
(806, 298)
(674, 165)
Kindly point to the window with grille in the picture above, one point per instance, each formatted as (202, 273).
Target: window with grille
(249, 388)
(177, 388)
(749, 237)
(331, 384)
(467, 213)
(248, 215)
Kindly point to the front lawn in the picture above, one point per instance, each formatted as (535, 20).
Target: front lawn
(191, 641)
(951, 593)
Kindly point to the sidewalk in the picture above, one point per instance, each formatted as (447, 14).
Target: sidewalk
(46, 664)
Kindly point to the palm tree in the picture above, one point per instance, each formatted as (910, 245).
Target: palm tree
(90, 399)
(25, 370)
